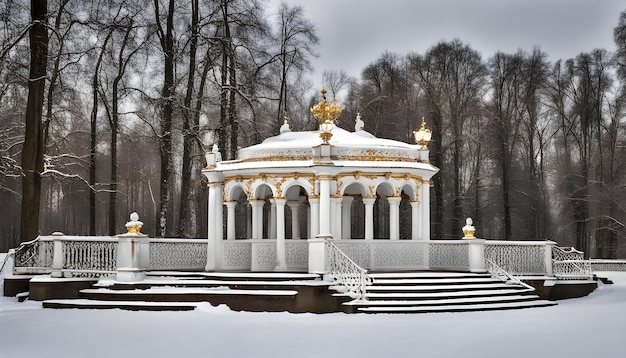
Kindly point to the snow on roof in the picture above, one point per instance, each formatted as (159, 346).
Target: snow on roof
(340, 138)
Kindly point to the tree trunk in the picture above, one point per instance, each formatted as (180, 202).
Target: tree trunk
(165, 216)
(33, 149)
(188, 135)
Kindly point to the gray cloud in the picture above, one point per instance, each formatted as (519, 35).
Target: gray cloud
(354, 33)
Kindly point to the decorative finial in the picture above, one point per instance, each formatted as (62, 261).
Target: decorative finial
(326, 114)
(359, 124)
(134, 225)
(285, 127)
(216, 150)
(469, 229)
(423, 135)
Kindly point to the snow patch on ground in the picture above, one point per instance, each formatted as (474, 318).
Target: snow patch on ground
(593, 326)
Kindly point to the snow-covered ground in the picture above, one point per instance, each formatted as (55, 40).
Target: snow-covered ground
(593, 326)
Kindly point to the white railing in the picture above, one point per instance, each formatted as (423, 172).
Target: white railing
(86, 256)
(607, 265)
(521, 258)
(569, 264)
(178, 254)
(385, 255)
(346, 272)
(95, 256)
(260, 255)
(501, 274)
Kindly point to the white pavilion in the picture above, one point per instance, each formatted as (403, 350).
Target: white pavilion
(330, 183)
(343, 216)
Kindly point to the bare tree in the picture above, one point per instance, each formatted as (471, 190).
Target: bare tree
(166, 40)
(33, 149)
(297, 39)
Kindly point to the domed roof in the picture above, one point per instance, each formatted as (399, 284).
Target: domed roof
(359, 145)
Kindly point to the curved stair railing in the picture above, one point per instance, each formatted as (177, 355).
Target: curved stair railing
(33, 257)
(569, 263)
(501, 274)
(346, 272)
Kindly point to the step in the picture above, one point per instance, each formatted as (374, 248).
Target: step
(444, 301)
(457, 308)
(238, 276)
(124, 305)
(442, 295)
(439, 288)
(208, 283)
(427, 275)
(434, 281)
(184, 291)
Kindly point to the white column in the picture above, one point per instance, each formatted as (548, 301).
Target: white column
(369, 217)
(272, 221)
(324, 210)
(281, 263)
(415, 220)
(249, 221)
(294, 206)
(257, 218)
(308, 221)
(212, 237)
(394, 217)
(346, 222)
(230, 223)
(219, 205)
(425, 204)
(314, 204)
(335, 217)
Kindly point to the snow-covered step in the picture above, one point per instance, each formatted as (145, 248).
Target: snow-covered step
(191, 282)
(425, 288)
(433, 281)
(457, 308)
(124, 305)
(445, 301)
(256, 292)
(426, 274)
(238, 276)
(416, 292)
(185, 291)
(427, 295)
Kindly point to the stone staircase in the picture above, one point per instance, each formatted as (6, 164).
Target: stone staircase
(176, 291)
(406, 292)
(422, 292)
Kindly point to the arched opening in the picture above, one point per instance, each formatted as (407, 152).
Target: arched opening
(242, 214)
(263, 210)
(297, 216)
(381, 211)
(353, 197)
(406, 213)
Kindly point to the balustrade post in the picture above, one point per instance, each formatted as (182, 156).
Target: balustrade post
(549, 245)
(476, 253)
(57, 255)
(317, 254)
(133, 253)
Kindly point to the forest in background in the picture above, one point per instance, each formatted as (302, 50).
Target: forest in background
(107, 107)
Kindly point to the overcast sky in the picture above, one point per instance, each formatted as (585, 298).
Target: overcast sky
(354, 33)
